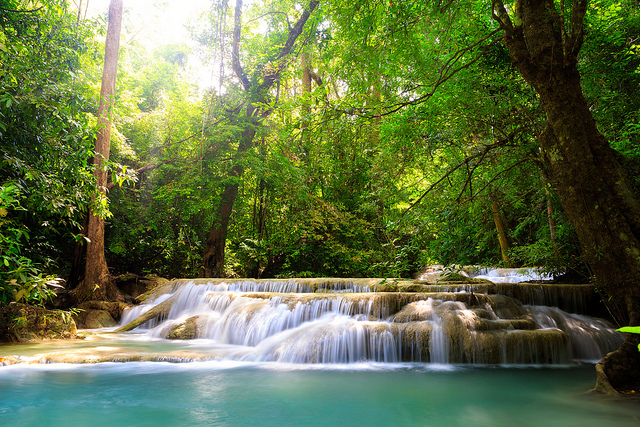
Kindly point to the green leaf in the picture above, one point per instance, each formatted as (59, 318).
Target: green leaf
(21, 293)
(630, 329)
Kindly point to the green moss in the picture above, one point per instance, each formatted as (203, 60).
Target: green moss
(21, 322)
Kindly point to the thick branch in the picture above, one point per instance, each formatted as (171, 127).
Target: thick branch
(514, 38)
(316, 78)
(574, 44)
(501, 16)
(294, 33)
(235, 48)
(297, 29)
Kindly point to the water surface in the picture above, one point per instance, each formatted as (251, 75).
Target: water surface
(270, 394)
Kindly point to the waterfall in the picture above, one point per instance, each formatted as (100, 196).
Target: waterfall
(285, 321)
(510, 275)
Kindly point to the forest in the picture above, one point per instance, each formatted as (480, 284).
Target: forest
(337, 139)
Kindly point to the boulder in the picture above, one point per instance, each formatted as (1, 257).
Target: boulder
(94, 319)
(187, 330)
(114, 309)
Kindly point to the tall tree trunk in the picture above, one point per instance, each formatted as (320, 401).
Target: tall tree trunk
(582, 168)
(502, 233)
(550, 211)
(213, 259)
(305, 63)
(97, 283)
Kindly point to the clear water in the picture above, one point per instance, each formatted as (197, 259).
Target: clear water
(272, 394)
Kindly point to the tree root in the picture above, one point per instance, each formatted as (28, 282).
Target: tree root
(620, 370)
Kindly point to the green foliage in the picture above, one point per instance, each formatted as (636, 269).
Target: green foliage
(158, 221)
(46, 144)
(21, 280)
(415, 125)
(631, 330)
(611, 77)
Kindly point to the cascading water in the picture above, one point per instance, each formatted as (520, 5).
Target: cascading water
(288, 322)
(510, 275)
(495, 275)
(274, 352)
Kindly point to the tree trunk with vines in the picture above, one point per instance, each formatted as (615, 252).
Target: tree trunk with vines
(544, 42)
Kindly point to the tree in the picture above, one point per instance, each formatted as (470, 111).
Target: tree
(544, 40)
(45, 141)
(258, 106)
(97, 283)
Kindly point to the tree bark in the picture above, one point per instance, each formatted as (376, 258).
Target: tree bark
(305, 137)
(258, 94)
(213, 259)
(97, 283)
(502, 233)
(581, 165)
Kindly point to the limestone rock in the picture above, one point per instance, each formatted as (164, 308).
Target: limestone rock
(134, 287)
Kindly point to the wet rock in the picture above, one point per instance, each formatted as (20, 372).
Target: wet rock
(133, 286)
(187, 330)
(155, 286)
(160, 311)
(536, 347)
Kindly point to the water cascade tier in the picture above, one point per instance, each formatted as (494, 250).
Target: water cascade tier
(341, 321)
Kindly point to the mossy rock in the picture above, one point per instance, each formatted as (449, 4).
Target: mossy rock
(94, 319)
(386, 287)
(21, 322)
(187, 330)
(114, 309)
